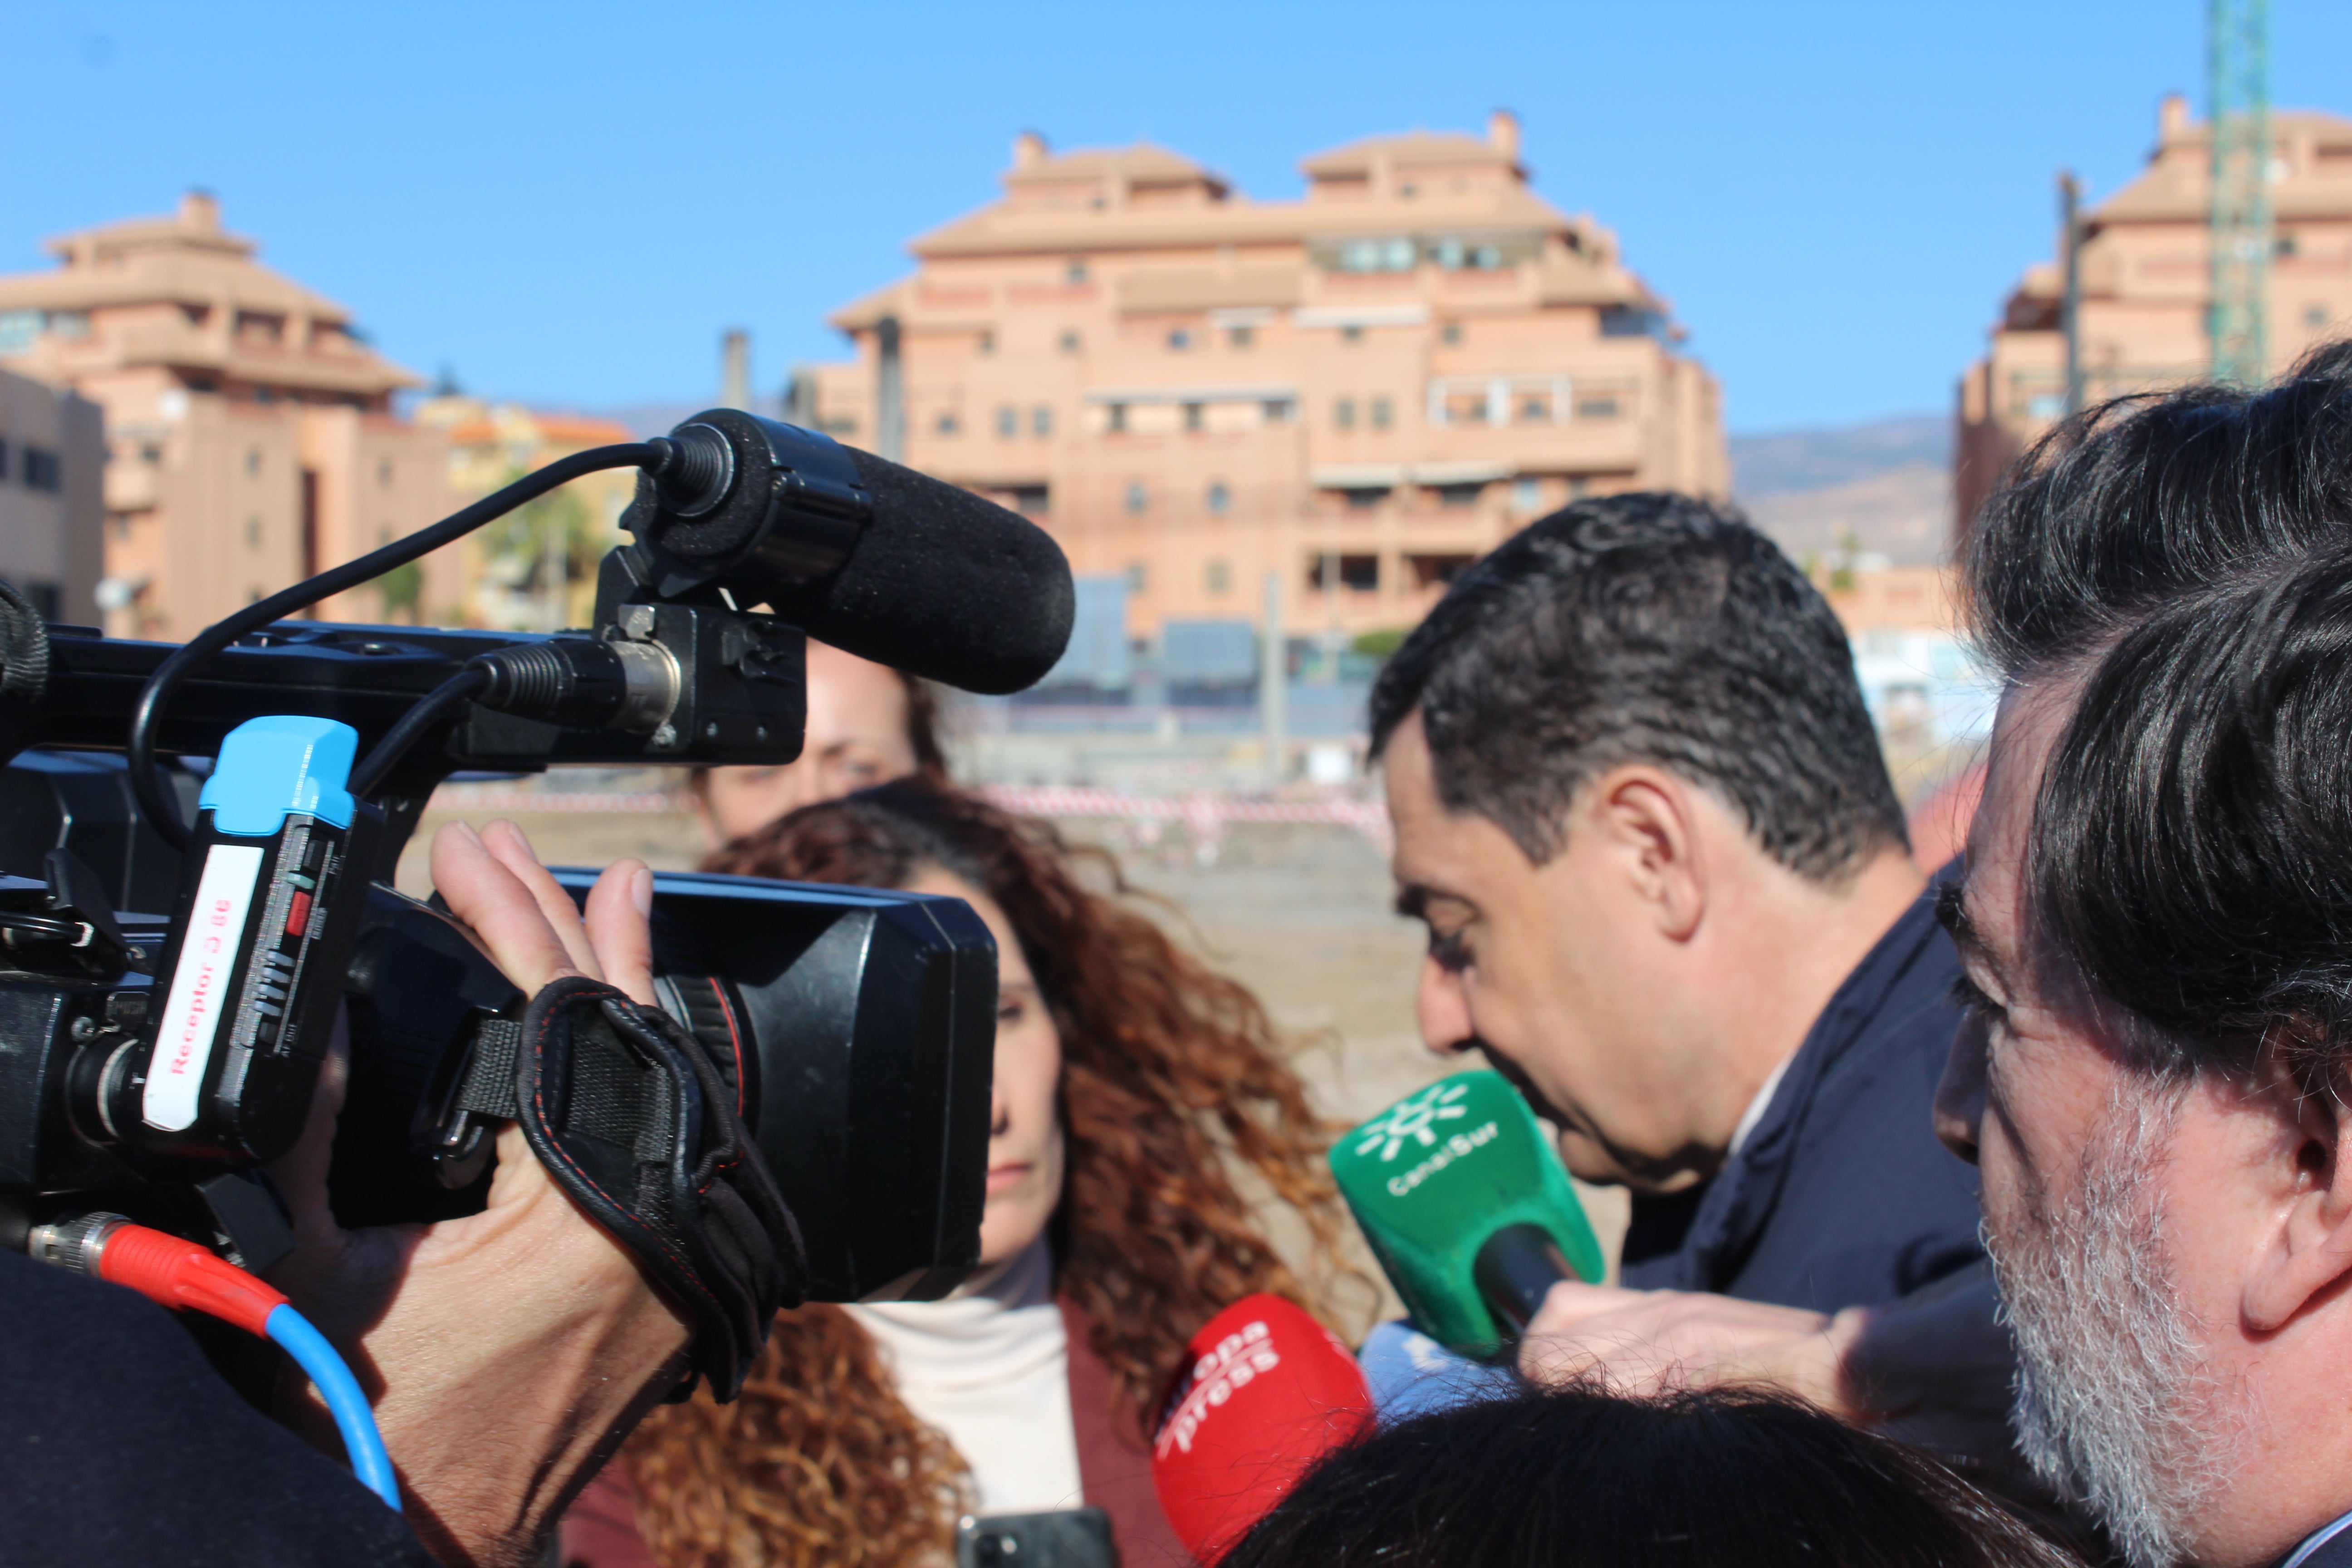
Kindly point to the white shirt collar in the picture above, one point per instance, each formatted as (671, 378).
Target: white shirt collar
(1759, 1106)
(2317, 1539)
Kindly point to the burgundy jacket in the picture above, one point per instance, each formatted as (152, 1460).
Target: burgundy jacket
(1113, 1468)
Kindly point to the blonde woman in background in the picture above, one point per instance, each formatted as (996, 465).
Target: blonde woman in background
(868, 724)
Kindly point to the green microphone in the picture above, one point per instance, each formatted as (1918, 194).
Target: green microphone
(1467, 1208)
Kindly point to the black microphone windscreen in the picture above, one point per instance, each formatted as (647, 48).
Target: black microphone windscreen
(943, 585)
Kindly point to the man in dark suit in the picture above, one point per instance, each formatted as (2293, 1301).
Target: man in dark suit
(1640, 806)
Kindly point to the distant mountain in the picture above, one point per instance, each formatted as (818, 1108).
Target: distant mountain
(1777, 461)
(1883, 487)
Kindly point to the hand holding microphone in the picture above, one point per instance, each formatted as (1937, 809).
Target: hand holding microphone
(1266, 1393)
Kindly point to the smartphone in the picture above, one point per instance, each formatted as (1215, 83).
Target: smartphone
(1067, 1538)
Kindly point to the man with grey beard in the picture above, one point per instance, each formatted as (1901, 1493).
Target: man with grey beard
(2157, 931)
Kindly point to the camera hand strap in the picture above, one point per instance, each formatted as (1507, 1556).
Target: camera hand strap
(630, 1117)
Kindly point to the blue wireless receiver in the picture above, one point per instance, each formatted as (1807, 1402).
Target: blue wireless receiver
(262, 935)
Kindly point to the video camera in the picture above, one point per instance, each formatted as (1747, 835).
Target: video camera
(857, 1025)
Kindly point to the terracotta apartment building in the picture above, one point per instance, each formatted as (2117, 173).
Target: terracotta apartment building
(2146, 283)
(250, 435)
(1360, 391)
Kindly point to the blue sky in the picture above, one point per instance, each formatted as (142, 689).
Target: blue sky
(568, 203)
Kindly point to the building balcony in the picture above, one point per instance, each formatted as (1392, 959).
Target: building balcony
(131, 485)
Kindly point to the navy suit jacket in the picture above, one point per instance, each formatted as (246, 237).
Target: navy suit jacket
(1841, 1197)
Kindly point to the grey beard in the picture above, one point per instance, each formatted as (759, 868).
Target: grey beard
(2113, 1408)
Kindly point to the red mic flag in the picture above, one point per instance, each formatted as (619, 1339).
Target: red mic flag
(1267, 1393)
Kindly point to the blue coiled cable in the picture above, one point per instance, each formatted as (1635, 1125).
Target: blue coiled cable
(345, 1400)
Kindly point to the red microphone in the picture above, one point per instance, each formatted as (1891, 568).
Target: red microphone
(1268, 1393)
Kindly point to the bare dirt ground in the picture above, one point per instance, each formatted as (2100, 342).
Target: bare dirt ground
(1300, 913)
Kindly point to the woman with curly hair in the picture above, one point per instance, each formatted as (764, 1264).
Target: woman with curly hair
(1133, 1086)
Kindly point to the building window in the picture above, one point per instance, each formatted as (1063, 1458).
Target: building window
(253, 531)
(1528, 494)
(1459, 495)
(265, 394)
(1220, 576)
(1343, 414)
(1137, 497)
(1579, 486)
(1221, 499)
(1437, 571)
(1008, 421)
(1118, 418)
(2316, 316)
(1534, 409)
(1358, 574)
(1069, 343)
(1451, 335)
(41, 470)
(946, 422)
(1242, 337)
(1276, 410)
(1032, 500)
(1383, 414)
(1393, 253)
(18, 330)
(1192, 416)
(988, 342)
(1351, 334)
(1138, 577)
(1365, 497)
(1178, 339)
(1075, 272)
(4, 459)
(1041, 421)
(1628, 321)
(1458, 256)
(1597, 408)
(252, 460)
(383, 474)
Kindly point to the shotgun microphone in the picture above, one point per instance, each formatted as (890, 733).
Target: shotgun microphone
(1467, 1208)
(855, 550)
(1267, 1392)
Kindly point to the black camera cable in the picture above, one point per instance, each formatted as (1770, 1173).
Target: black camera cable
(687, 465)
(473, 678)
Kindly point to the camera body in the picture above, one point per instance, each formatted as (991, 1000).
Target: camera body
(857, 1025)
(149, 1066)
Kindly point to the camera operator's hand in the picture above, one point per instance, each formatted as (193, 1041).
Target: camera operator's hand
(1641, 1342)
(508, 1351)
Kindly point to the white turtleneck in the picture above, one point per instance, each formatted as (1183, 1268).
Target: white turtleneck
(990, 1366)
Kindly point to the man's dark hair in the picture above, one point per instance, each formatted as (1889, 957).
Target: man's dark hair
(1649, 628)
(1580, 1479)
(2192, 847)
(2129, 504)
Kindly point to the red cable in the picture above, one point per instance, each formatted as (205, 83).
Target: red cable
(179, 1274)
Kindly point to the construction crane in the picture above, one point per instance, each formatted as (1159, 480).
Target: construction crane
(2238, 56)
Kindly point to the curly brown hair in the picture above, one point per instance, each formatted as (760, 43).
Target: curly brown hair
(1175, 1084)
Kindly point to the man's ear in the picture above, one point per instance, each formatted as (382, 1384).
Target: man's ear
(2303, 1165)
(1645, 817)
